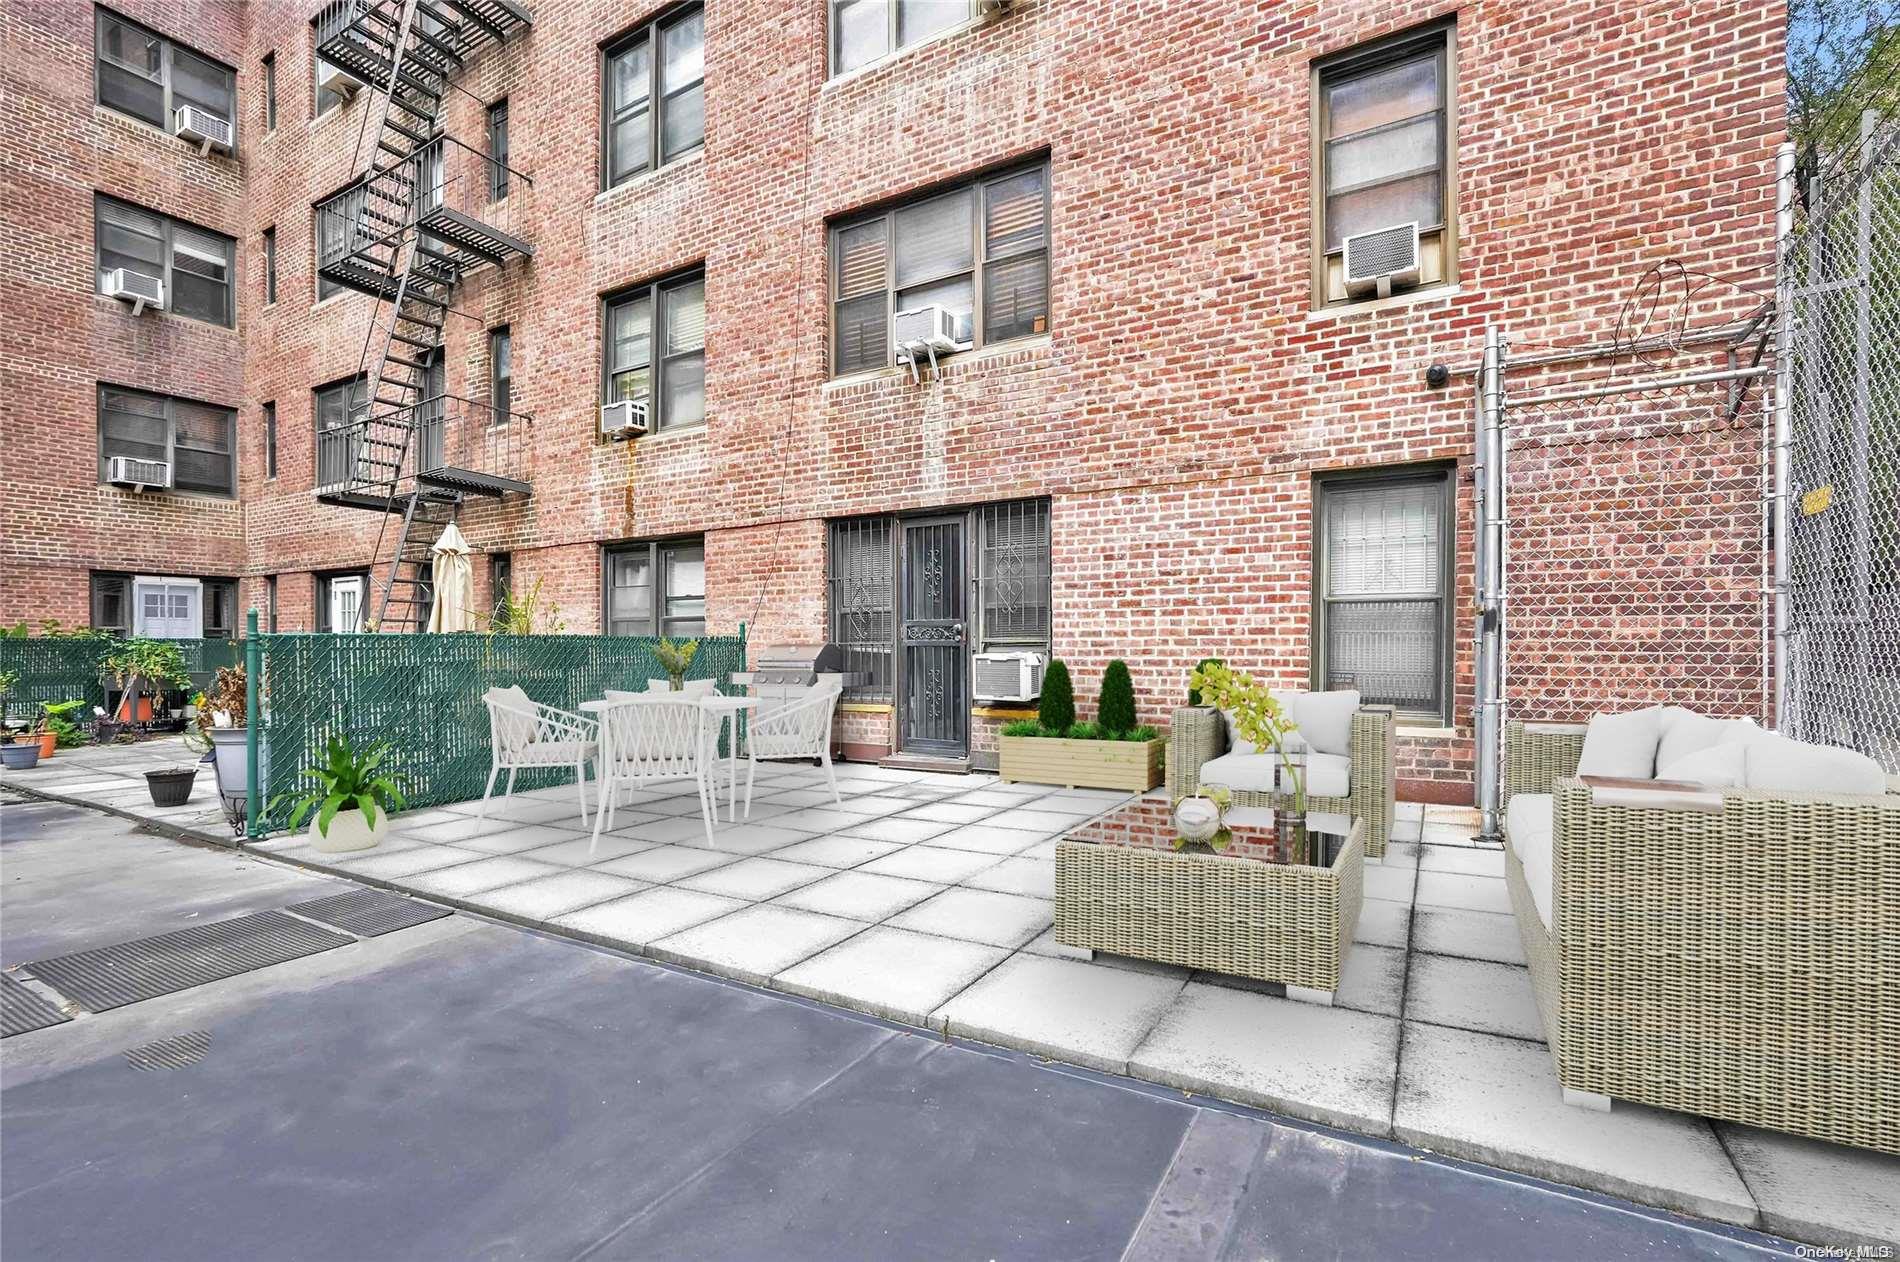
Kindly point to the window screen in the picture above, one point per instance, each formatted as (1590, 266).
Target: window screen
(1384, 138)
(1384, 576)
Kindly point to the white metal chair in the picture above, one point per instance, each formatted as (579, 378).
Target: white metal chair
(649, 738)
(799, 728)
(524, 734)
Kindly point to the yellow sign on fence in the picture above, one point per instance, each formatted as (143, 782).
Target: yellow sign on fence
(1817, 500)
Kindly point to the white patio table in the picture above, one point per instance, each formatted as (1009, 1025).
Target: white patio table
(717, 709)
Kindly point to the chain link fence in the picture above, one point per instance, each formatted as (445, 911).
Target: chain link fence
(72, 668)
(423, 695)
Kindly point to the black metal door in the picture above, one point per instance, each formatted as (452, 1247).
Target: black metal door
(935, 711)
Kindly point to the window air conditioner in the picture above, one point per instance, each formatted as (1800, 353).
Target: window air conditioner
(925, 333)
(137, 288)
(336, 79)
(1006, 676)
(204, 129)
(985, 8)
(625, 419)
(140, 475)
(1382, 260)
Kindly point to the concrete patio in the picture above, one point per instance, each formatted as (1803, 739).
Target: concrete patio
(926, 899)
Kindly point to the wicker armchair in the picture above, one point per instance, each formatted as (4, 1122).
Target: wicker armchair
(1199, 735)
(1740, 965)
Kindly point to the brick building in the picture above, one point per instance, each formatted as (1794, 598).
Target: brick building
(1168, 431)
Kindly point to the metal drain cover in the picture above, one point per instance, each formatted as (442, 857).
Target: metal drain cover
(22, 1010)
(176, 1052)
(114, 976)
(368, 913)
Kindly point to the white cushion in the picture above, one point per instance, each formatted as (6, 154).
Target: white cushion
(1288, 697)
(1622, 745)
(1777, 764)
(1721, 766)
(1684, 732)
(1325, 719)
(1327, 775)
(694, 688)
(1530, 823)
(559, 753)
(516, 722)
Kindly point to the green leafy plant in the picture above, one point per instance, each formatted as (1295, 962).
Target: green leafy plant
(1194, 694)
(156, 662)
(1057, 709)
(526, 614)
(1258, 718)
(1115, 712)
(346, 780)
(1078, 732)
(676, 658)
(61, 719)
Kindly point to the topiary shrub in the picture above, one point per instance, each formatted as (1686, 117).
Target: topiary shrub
(1057, 711)
(1194, 694)
(1116, 713)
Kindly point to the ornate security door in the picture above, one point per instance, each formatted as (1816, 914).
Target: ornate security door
(934, 634)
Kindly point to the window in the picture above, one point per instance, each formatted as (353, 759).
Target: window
(337, 408)
(195, 265)
(324, 99)
(981, 251)
(1383, 136)
(148, 77)
(341, 601)
(1383, 560)
(270, 603)
(863, 604)
(498, 150)
(864, 30)
(501, 580)
(656, 350)
(270, 96)
(653, 106)
(110, 610)
(270, 440)
(1012, 576)
(270, 265)
(501, 373)
(220, 609)
(655, 589)
(195, 439)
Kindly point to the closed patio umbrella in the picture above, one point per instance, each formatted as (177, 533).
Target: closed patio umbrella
(454, 583)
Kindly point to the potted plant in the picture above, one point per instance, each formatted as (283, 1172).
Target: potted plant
(676, 658)
(171, 786)
(16, 755)
(62, 724)
(139, 662)
(1110, 753)
(37, 733)
(353, 798)
(1261, 721)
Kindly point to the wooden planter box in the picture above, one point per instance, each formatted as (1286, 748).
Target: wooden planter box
(1132, 765)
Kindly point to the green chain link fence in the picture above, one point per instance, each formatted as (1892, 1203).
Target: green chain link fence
(423, 695)
(61, 668)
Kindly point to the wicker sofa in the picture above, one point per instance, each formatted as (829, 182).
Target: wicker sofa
(1741, 965)
(1198, 735)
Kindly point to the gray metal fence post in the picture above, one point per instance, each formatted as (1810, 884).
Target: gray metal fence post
(1488, 503)
(1783, 422)
(253, 677)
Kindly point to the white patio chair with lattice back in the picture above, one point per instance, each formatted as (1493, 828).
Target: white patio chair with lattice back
(798, 728)
(650, 738)
(524, 734)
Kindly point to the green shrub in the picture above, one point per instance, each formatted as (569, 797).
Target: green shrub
(1194, 694)
(1116, 713)
(1057, 710)
(1022, 727)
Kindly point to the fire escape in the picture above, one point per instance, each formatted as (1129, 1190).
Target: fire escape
(427, 211)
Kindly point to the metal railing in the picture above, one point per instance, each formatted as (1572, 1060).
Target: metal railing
(452, 181)
(450, 432)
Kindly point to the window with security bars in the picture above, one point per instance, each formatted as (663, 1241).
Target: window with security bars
(196, 266)
(656, 350)
(1384, 557)
(145, 76)
(1013, 564)
(653, 96)
(859, 572)
(197, 440)
(980, 251)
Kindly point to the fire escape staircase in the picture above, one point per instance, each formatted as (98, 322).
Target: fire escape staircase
(395, 236)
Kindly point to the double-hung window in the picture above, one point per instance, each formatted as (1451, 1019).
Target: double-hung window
(864, 30)
(338, 408)
(1383, 133)
(655, 588)
(197, 440)
(980, 251)
(653, 98)
(195, 265)
(270, 96)
(501, 373)
(498, 150)
(1383, 553)
(142, 74)
(270, 265)
(656, 350)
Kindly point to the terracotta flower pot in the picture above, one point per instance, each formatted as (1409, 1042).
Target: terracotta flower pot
(49, 741)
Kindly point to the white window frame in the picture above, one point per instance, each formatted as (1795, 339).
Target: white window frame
(164, 586)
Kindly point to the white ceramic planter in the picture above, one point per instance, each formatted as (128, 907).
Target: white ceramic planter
(349, 832)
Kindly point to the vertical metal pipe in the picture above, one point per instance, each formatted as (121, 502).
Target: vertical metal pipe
(253, 676)
(1488, 502)
(1860, 465)
(1783, 420)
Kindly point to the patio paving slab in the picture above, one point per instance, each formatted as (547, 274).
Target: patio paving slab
(891, 973)
(1821, 1193)
(870, 805)
(562, 810)
(1383, 923)
(1394, 885)
(551, 896)
(645, 917)
(897, 831)
(859, 896)
(1400, 854)
(515, 840)
(1034, 878)
(1010, 795)
(1372, 980)
(1034, 819)
(755, 943)
(576, 852)
(1454, 889)
(1497, 1100)
(1474, 935)
(819, 819)
(666, 830)
(949, 812)
(745, 838)
(1002, 920)
(1463, 859)
(1063, 1009)
(754, 880)
(1473, 995)
(666, 863)
(842, 851)
(984, 839)
(1329, 1065)
(465, 879)
(401, 865)
(923, 863)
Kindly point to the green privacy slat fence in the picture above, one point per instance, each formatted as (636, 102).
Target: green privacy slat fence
(423, 695)
(54, 668)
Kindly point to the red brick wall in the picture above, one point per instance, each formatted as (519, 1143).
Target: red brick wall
(1178, 410)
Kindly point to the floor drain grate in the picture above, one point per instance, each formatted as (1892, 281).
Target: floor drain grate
(114, 976)
(176, 1052)
(22, 1010)
(368, 913)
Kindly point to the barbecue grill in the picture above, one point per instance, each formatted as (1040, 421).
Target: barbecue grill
(786, 670)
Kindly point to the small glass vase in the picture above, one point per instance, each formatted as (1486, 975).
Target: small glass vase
(1292, 839)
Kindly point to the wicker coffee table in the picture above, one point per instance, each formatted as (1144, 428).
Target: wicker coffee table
(1121, 887)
